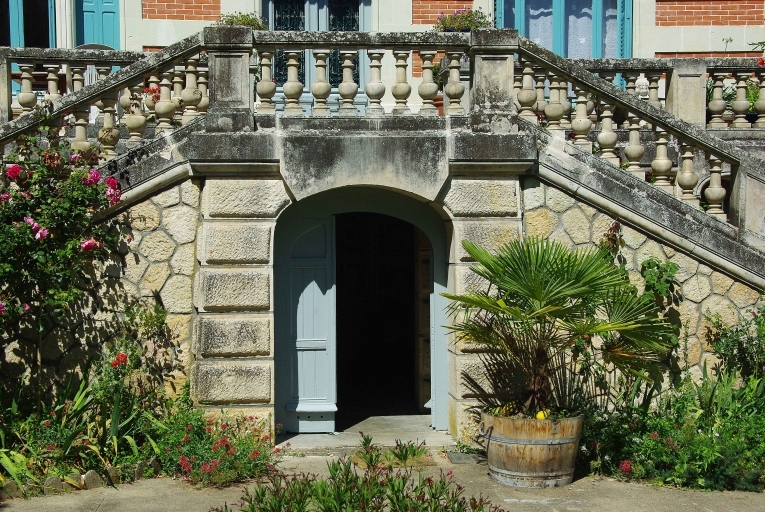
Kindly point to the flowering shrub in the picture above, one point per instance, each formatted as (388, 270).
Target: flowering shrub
(463, 20)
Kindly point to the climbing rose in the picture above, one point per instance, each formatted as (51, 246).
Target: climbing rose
(2, 308)
(120, 359)
(75, 158)
(42, 234)
(112, 183)
(92, 178)
(5, 197)
(90, 244)
(760, 62)
(625, 466)
(13, 171)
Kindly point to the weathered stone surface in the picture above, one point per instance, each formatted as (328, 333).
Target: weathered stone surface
(558, 201)
(52, 484)
(72, 481)
(600, 225)
(577, 226)
(669, 251)
(182, 261)
(692, 352)
(720, 283)
(135, 240)
(179, 326)
(563, 238)
(689, 315)
(135, 266)
(236, 289)
(588, 210)
(632, 238)
(234, 336)
(742, 296)
(483, 198)
(533, 194)
(190, 191)
(466, 280)
(10, 490)
(154, 278)
(245, 198)
(717, 304)
(231, 382)
(705, 270)
(144, 217)
(237, 242)
(181, 223)
(169, 197)
(648, 250)
(687, 266)
(470, 366)
(488, 234)
(540, 223)
(157, 246)
(696, 288)
(176, 295)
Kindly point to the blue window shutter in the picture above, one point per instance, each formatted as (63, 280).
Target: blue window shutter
(52, 24)
(625, 28)
(559, 27)
(17, 22)
(98, 22)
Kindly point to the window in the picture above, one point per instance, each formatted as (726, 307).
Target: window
(572, 28)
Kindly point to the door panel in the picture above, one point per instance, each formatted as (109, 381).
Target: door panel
(98, 22)
(308, 341)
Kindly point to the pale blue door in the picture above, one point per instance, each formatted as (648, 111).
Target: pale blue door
(98, 22)
(306, 332)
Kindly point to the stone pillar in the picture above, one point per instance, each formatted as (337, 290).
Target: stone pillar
(233, 339)
(228, 50)
(484, 202)
(687, 91)
(6, 112)
(491, 52)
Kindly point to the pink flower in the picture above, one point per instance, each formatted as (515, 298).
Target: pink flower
(75, 158)
(114, 196)
(92, 178)
(112, 183)
(13, 171)
(26, 308)
(2, 308)
(5, 197)
(90, 244)
(42, 234)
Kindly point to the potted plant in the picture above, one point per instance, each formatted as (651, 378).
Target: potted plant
(463, 20)
(550, 317)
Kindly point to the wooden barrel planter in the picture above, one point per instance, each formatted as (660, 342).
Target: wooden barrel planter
(530, 452)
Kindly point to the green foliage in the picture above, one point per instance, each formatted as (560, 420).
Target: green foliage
(377, 488)
(544, 306)
(245, 19)
(741, 347)
(660, 282)
(463, 20)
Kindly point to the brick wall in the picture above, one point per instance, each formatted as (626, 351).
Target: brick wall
(426, 12)
(674, 13)
(181, 10)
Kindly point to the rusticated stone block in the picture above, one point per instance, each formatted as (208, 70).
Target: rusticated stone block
(490, 235)
(234, 336)
(483, 198)
(235, 289)
(245, 198)
(231, 382)
(239, 243)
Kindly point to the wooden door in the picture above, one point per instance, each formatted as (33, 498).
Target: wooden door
(98, 22)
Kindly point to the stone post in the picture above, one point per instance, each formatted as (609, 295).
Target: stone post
(491, 53)
(228, 50)
(687, 91)
(5, 89)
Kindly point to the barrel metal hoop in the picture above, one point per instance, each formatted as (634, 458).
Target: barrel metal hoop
(557, 474)
(504, 440)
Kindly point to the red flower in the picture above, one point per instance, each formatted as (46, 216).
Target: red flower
(13, 171)
(112, 183)
(760, 62)
(654, 435)
(185, 438)
(120, 359)
(185, 465)
(625, 467)
(47, 423)
(223, 426)
(90, 244)
(51, 414)
(189, 427)
(254, 454)
(208, 429)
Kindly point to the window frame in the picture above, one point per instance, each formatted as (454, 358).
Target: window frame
(623, 23)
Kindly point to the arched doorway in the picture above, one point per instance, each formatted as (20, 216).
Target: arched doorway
(318, 242)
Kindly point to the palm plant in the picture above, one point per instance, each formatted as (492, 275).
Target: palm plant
(553, 314)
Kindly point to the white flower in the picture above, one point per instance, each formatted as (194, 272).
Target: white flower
(607, 458)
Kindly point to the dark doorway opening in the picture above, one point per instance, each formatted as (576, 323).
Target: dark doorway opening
(36, 24)
(378, 350)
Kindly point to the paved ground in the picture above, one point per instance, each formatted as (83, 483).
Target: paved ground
(587, 494)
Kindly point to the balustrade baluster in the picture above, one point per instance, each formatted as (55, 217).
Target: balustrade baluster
(191, 95)
(565, 121)
(554, 110)
(428, 89)
(148, 97)
(80, 142)
(717, 104)
(321, 88)
(635, 150)
(27, 98)
(292, 88)
(104, 71)
(135, 120)
(177, 92)
(687, 179)
(454, 89)
(581, 124)
(759, 105)
(630, 78)
(653, 78)
(517, 86)
(266, 87)
(540, 75)
(527, 96)
(401, 88)
(592, 109)
(165, 107)
(715, 193)
(741, 105)
(52, 79)
(202, 84)
(348, 87)
(375, 89)
(661, 166)
(607, 138)
(109, 134)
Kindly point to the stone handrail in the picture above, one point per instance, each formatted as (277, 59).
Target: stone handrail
(108, 86)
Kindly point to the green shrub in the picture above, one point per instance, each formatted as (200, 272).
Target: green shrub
(245, 19)
(463, 20)
(741, 347)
